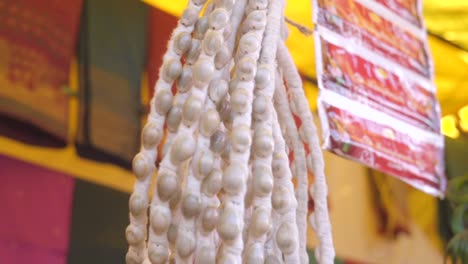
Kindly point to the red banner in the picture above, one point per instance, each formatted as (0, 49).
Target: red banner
(409, 10)
(360, 79)
(37, 43)
(377, 101)
(368, 28)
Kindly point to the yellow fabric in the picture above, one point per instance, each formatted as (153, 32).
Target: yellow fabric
(67, 160)
(423, 211)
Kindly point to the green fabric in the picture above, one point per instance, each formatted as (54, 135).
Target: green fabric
(112, 59)
(99, 219)
(456, 153)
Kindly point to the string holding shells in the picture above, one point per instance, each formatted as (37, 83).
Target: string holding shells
(224, 188)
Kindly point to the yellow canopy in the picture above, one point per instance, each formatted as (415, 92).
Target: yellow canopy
(451, 62)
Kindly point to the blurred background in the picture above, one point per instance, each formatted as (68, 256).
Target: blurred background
(75, 81)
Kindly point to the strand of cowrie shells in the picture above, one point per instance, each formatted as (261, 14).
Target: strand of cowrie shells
(308, 132)
(295, 145)
(265, 81)
(210, 145)
(206, 253)
(231, 221)
(284, 201)
(299, 167)
(143, 163)
(261, 182)
(218, 99)
(184, 84)
(203, 71)
(167, 182)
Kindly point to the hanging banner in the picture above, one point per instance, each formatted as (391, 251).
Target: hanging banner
(377, 101)
(37, 42)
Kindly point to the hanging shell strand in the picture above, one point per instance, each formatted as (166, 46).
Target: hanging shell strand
(224, 188)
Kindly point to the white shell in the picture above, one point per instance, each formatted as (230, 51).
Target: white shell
(206, 255)
(140, 166)
(212, 184)
(192, 110)
(151, 135)
(134, 235)
(255, 254)
(262, 181)
(256, 20)
(222, 57)
(138, 204)
(173, 119)
(202, 72)
(158, 253)
(249, 43)
(218, 141)
(205, 164)
(183, 148)
(280, 199)
(261, 108)
(245, 69)
(262, 143)
(217, 90)
(160, 219)
(193, 53)
(280, 166)
(201, 27)
(191, 205)
(241, 138)
(189, 17)
(210, 218)
(263, 76)
(228, 226)
(261, 222)
(182, 43)
(209, 122)
(163, 101)
(171, 70)
(166, 184)
(226, 258)
(239, 100)
(185, 243)
(218, 18)
(286, 238)
(212, 42)
(233, 178)
(185, 80)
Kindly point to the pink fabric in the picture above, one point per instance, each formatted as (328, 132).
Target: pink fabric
(35, 213)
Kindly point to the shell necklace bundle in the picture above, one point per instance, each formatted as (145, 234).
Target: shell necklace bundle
(224, 188)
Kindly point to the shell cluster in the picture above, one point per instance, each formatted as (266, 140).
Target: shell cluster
(227, 188)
